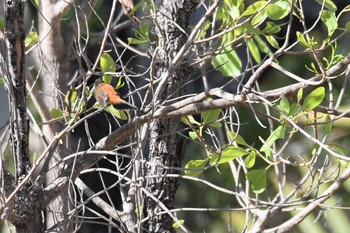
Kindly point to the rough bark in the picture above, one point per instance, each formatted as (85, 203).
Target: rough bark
(26, 216)
(173, 17)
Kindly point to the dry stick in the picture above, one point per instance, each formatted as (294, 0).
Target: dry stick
(52, 144)
(180, 55)
(104, 40)
(286, 226)
(180, 108)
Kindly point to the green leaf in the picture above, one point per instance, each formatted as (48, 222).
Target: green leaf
(31, 39)
(192, 134)
(228, 3)
(234, 13)
(337, 148)
(216, 124)
(107, 64)
(56, 113)
(277, 10)
(210, 116)
(302, 40)
(238, 138)
(232, 152)
(263, 46)
(328, 4)
(258, 180)
(228, 62)
(254, 50)
(120, 114)
(278, 133)
(258, 18)
(271, 28)
(328, 126)
(136, 41)
(273, 42)
(71, 96)
(314, 99)
(300, 95)
(189, 120)
(195, 164)
(255, 7)
(178, 224)
(347, 25)
(2, 80)
(283, 105)
(144, 29)
(135, 8)
(2, 24)
(329, 19)
(34, 157)
(294, 108)
(250, 160)
(120, 83)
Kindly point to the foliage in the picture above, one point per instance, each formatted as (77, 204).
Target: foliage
(264, 131)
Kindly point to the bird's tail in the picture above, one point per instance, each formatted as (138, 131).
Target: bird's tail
(125, 105)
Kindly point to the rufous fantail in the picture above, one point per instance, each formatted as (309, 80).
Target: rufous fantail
(105, 95)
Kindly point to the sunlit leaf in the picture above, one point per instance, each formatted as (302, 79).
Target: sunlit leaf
(258, 180)
(189, 120)
(328, 5)
(228, 63)
(314, 99)
(278, 133)
(192, 134)
(294, 108)
(329, 19)
(132, 40)
(71, 96)
(302, 40)
(258, 18)
(120, 114)
(120, 83)
(31, 39)
(178, 224)
(232, 152)
(197, 165)
(234, 13)
(107, 64)
(254, 50)
(273, 42)
(263, 46)
(56, 113)
(210, 116)
(271, 28)
(284, 105)
(216, 124)
(255, 7)
(300, 95)
(238, 139)
(277, 11)
(249, 162)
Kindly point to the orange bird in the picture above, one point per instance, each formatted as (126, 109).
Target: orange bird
(105, 95)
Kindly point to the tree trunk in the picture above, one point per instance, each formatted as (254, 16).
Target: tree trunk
(25, 216)
(164, 146)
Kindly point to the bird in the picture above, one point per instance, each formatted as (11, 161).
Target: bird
(105, 95)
